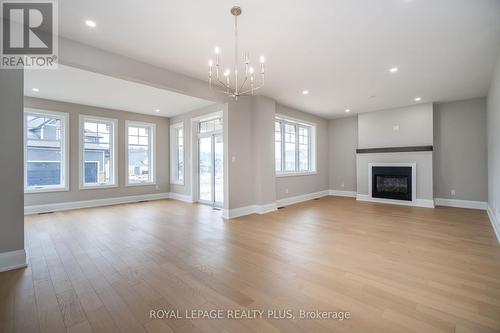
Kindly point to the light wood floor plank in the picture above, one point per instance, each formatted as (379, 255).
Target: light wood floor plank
(394, 268)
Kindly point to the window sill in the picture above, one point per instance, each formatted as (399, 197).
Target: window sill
(45, 190)
(140, 184)
(296, 174)
(97, 187)
(177, 183)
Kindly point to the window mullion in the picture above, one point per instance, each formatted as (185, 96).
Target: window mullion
(282, 132)
(297, 148)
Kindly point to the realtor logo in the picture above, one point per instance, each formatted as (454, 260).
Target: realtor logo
(29, 34)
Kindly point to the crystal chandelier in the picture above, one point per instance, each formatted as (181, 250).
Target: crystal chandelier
(234, 88)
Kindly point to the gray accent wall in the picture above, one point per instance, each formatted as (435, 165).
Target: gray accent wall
(298, 185)
(264, 110)
(240, 136)
(460, 150)
(74, 193)
(343, 142)
(493, 121)
(11, 163)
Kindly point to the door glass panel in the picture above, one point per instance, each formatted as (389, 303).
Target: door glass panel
(205, 168)
(219, 167)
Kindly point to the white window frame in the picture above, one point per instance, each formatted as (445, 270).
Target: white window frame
(152, 152)
(113, 147)
(174, 153)
(64, 149)
(312, 146)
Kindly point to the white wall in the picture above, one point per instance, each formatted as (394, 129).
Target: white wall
(493, 121)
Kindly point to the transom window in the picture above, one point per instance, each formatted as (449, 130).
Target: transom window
(294, 144)
(210, 125)
(140, 153)
(45, 151)
(97, 152)
(177, 154)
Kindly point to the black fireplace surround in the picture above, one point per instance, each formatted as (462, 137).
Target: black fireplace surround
(392, 182)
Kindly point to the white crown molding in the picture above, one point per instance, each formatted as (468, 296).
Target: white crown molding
(12, 260)
(36, 209)
(461, 203)
(495, 223)
(339, 193)
(417, 202)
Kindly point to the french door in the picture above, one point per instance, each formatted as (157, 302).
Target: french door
(210, 169)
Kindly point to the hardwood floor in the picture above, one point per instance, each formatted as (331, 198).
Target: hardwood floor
(394, 268)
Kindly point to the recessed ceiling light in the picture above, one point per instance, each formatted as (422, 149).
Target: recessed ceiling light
(35, 89)
(157, 110)
(305, 92)
(347, 110)
(393, 69)
(90, 23)
(418, 99)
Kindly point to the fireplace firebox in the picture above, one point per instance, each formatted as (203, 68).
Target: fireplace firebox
(392, 182)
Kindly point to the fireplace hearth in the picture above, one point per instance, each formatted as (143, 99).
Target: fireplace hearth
(392, 182)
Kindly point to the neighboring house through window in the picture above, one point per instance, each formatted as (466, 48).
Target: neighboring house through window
(45, 151)
(97, 152)
(140, 153)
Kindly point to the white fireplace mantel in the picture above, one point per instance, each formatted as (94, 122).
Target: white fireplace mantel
(413, 202)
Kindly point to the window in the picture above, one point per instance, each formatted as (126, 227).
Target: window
(294, 146)
(45, 151)
(210, 125)
(97, 152)
(177, 154)
(140, 153)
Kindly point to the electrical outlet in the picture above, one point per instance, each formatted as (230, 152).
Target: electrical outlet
(342, 185)
(286, 190)
(395, 128)
(453, 192)
(233, 159)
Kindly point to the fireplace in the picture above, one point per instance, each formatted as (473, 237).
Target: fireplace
(392, 182)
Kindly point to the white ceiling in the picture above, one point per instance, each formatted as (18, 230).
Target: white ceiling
(340, 50)
(74, 85)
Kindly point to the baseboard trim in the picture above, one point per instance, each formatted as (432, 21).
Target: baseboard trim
(339, 193)
(181, 197)
(247, 210)
(417, 203)
(495, 223)
(12, 260)
(461, 203)
(264, 209)
(301, 198)
(36, 209)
